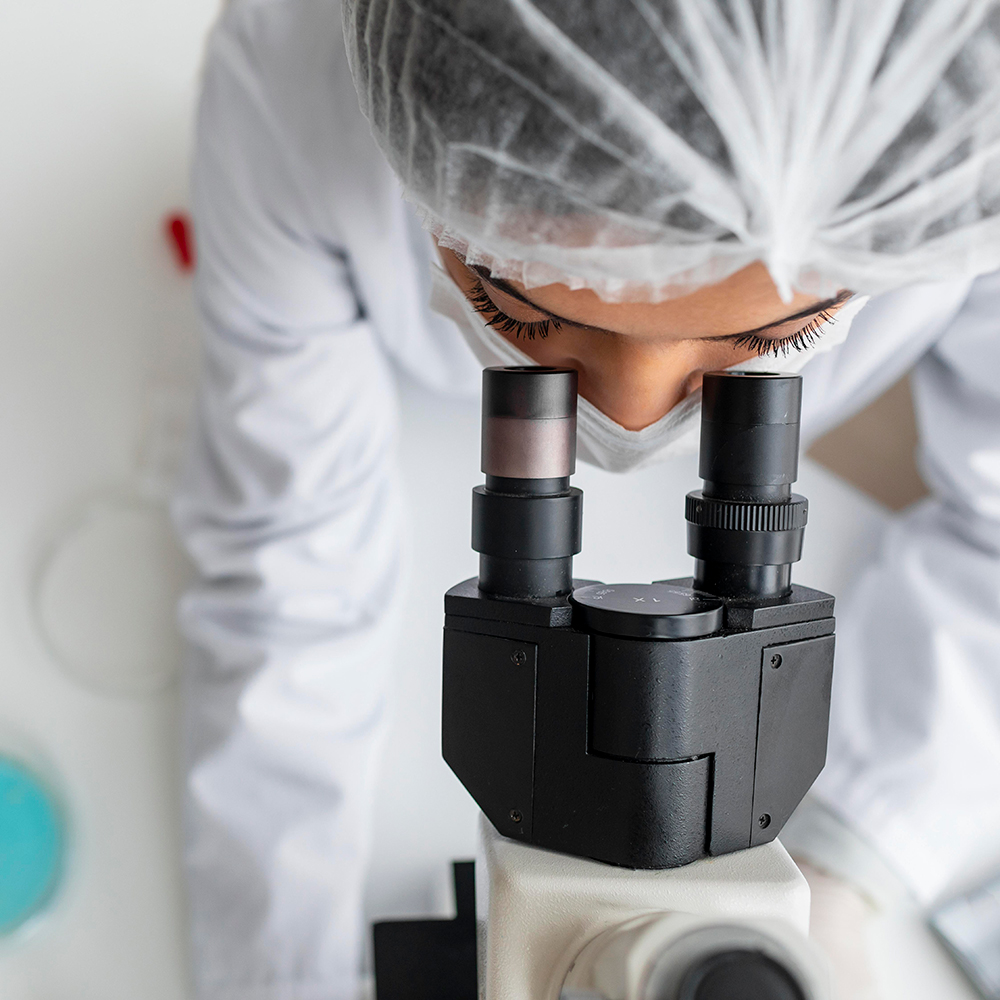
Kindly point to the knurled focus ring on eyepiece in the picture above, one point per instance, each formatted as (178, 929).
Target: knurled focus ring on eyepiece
(745, 532)
(739, 515)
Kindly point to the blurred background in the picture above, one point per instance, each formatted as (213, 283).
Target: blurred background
(99, 348)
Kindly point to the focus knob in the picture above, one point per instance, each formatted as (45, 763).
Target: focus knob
(738, 975)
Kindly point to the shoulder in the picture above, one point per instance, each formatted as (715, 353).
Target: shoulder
(287, 44)
(291, 61)
(292, 53)
(279, 27)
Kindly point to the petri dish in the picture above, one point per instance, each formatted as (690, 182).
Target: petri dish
(32, 844)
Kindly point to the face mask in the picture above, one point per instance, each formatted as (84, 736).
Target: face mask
(601, 441)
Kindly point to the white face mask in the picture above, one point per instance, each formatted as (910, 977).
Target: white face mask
(601, 441)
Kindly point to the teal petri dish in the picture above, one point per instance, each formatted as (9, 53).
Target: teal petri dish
(32, 844)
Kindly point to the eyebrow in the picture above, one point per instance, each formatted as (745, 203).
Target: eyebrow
(502, 286)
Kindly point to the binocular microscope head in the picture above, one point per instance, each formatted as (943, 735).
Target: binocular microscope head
(641, 724)
(617, 735)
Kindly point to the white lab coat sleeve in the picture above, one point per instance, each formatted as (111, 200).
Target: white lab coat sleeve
(914, 762)
(290, 509)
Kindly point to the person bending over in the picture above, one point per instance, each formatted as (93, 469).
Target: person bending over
(644, 190)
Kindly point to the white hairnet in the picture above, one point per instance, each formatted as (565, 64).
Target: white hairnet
(642, 148)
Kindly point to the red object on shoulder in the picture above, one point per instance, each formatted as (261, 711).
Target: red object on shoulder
(180, 236)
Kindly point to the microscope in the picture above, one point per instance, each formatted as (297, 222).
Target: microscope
(635, 748)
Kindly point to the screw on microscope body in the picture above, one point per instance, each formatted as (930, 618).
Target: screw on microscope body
(514, 814)
(776, 660)
(519, 658)
(764, 820)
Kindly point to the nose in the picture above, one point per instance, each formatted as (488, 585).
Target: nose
(633, 381)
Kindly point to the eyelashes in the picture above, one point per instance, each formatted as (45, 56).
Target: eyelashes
(779, 347)
(798, 341)
(499, 320)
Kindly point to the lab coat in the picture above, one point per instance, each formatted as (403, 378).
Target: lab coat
(313, 283)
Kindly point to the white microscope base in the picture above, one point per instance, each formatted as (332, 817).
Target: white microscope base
(537, 909)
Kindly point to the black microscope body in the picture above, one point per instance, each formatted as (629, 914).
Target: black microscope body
(642, 725)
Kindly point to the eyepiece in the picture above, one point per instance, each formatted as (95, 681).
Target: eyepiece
(745, 527)
(750, 434)
(529, 423)
(526, 520)
(530, 392)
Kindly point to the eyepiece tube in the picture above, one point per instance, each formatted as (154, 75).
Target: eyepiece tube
(745, 527)
(527, 520)
(529, 424)
(750, 435)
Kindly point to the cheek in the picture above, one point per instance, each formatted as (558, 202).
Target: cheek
(557, 349)
(631, 380)
(709, 357)
(598, 353)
